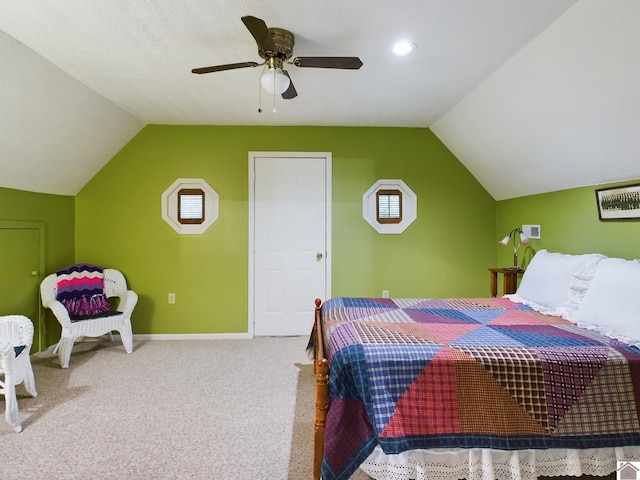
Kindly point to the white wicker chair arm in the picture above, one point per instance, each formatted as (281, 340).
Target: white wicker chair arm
(128, 301)
(5, 349)
(7, 359)
(60, 312)
(17, 330)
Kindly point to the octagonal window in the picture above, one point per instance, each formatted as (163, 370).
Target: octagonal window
(190, 205)
(389, 206)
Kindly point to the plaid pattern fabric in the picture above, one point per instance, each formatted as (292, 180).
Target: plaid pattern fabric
(470, 373)
(431, 391)
(520, 373)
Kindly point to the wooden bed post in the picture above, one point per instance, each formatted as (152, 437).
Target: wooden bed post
(321, 370)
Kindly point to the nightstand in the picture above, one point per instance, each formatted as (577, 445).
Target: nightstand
(510, 280)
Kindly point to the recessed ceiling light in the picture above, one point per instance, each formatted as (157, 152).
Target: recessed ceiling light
(403, 47)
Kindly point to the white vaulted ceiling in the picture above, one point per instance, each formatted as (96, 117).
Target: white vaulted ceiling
(532, 96)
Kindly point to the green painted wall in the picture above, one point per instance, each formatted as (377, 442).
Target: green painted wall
(569, 223)
(445, 252)
(57, 214)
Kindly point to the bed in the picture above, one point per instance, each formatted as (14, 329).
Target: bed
(544, 382)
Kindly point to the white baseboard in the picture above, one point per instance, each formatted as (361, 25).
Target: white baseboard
(153, 336)
(190, 336)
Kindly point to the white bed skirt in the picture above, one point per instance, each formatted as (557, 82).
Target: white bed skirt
(487, 464)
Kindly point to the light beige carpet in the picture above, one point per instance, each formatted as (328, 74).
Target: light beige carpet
(216, 409)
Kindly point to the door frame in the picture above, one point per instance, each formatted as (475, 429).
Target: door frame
(327, 233)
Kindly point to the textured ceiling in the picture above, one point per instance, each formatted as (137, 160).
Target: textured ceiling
(497, 80)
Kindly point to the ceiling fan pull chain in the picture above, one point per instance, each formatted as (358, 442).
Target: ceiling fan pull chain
(260, 92)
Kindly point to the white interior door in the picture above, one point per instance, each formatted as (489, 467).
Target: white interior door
(291, 205)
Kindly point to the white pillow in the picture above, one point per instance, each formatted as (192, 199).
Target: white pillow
(580, 281)
(611, 304)
(545, 282)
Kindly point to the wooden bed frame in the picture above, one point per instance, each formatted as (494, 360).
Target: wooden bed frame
(321, 371)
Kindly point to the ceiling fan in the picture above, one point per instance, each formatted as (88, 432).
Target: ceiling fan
(275, 46)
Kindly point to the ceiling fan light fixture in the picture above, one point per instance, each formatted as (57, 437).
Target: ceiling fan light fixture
(274, 81)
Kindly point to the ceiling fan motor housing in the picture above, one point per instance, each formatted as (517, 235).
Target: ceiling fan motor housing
(283, 41)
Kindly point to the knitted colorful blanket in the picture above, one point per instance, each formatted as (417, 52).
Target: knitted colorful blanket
(81, 290)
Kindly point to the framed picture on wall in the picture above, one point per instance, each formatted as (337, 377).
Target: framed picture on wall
(619, 203)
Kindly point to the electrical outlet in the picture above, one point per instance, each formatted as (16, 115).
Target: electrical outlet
(385, 293)
(171, 298)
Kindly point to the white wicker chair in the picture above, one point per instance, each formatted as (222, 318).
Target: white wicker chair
(114, 286)
(15, 331)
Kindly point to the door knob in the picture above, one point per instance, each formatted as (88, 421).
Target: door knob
(34, 273)
(319, 256)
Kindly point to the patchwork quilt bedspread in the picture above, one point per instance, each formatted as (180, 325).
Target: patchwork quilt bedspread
(470, 373)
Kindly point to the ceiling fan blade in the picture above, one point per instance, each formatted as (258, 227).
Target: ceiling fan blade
(221, 68)
(290, 92)
(260, 32)
(346, 63)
